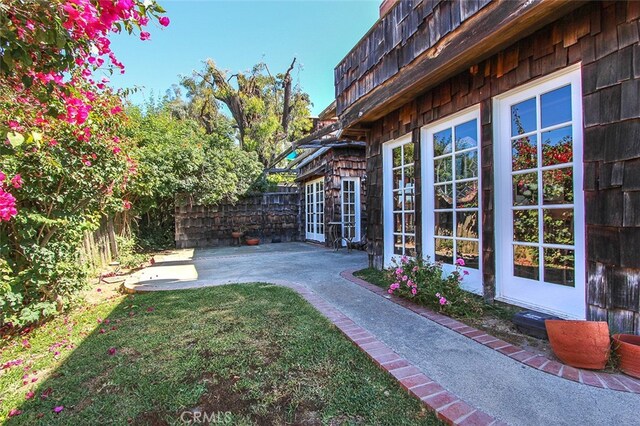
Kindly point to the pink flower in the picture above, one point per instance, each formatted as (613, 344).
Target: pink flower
(415, 269)
(112, 351)
(460, 262)
(164, 21)
(443, 301)
(116, 110)
(390, 291)
(150, 309)
(437, 294)
(126, 205)
(14, 412)
(116, 150)
(58, 409)
(399, 271)
(414, 291)
(16, 181)
(404, 278)
(7, 206)
(102, 331)
(144, 35)
(29, 395)
(465, 272)
(404, 259)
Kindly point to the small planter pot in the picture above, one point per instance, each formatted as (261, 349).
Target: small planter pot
(581, 344)
(627, 347)
(253, 241)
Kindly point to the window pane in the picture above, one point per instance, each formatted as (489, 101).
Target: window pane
(408, 153)
(468, 251)
(467, 165)
(466, 135)
(444, 223)
(526, 262)
(409, 178)
(442, 170)
(558, 266)
(397, 222)
(467, 194)
(444, 250)
(557, 146)
(442, 142)
(524, 153)
(558, 186)
(397, 178)
(409, 223)
(525, 226)
(556, 106)
(409, 201)
(397, 156)
(467, 224)
(443, 195)
(397, 201)
(397, 244)
(558, 226)
(523, 117)
(525, 189)
(410, 246)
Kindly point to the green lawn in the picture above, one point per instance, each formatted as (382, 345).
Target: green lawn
(253, 353)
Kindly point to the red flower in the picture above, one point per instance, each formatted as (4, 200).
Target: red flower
(144, 35)
(164, 21)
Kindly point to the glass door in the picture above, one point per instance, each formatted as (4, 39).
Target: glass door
(540, 214)
(350, 197)
(314, 196)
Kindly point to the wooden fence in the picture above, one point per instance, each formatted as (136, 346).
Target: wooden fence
(99, 248)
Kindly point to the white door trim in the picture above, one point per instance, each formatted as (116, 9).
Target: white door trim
(473, 281)
(569, 302)
(387, 194)
(311, 187)
(357, 205)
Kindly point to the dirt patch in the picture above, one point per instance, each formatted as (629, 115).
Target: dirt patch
(507, 331)
(149, 419)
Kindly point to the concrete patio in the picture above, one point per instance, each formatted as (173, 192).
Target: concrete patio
(484, 378)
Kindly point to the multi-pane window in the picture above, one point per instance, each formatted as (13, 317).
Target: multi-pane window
(542, 187)
(403, 203)
(455, 193)
(350, 197)
(314, 193)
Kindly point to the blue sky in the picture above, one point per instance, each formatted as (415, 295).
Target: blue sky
(237, 34)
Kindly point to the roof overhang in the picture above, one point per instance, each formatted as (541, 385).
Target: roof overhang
(496, 26)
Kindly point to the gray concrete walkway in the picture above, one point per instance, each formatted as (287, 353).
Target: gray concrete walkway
(484, 378)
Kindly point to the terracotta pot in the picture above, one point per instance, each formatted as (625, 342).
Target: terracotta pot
(581, 344)
(627, 347)
(236, 234)
(253, 241)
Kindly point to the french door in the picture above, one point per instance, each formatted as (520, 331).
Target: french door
(451, 232)
(399, 199)
(314, 195)
(350, 198)
(539, 197)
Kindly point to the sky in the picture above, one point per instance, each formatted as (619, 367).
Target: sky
(238, 34)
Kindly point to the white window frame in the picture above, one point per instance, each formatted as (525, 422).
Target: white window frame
(317, 198)
(564, 301)
(356, 189)
(473, 280)
(387, 193)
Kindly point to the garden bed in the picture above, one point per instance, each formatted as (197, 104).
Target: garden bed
(495, 319)
(248, 354)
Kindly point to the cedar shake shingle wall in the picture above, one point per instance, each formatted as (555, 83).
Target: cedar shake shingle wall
(267, 216)
(339, 163)
(605, 38)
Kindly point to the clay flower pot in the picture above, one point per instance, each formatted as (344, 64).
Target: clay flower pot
(253, 241)
(236, 234)
(627, 347)
(581, 344)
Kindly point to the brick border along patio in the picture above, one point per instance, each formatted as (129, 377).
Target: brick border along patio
(447, 406)
(617, 382)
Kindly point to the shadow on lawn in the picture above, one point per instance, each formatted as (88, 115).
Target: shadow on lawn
(244, 354)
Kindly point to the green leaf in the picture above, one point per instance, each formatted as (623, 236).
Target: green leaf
(15, 139)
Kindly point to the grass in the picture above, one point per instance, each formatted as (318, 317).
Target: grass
(252, 354)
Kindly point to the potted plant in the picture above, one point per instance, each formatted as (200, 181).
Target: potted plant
(581, 344)
(627, 347)
(252, 241)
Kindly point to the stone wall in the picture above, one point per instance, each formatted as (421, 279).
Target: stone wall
(269, 216)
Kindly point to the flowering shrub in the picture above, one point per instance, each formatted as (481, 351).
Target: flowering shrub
(426, 283)
(61, 140)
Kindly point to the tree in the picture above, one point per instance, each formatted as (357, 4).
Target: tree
(268, 110)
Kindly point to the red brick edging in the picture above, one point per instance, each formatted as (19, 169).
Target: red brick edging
(447, 406)
(616, 382)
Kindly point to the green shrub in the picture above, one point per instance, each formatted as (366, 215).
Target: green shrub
(426, 283)
(129, 254)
